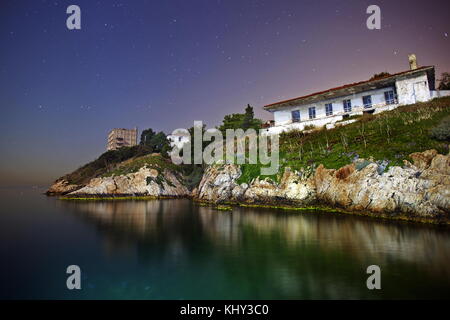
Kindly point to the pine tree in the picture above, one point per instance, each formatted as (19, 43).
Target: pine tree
(444, 81)
(248, 117)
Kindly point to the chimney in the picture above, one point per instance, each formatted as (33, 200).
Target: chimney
(412, 61)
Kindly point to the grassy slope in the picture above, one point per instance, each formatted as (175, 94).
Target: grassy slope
(152, 161)
(131, 159)
(391, 136)
(106, 162)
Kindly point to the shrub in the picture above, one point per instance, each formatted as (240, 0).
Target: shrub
(291, 134)
(442, 130)
(366, 117)
(106, 162)
(309, 127)
(192, 175)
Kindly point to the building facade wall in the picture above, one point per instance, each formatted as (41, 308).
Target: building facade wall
(407, 90)
(412, 90)
(118, 138)
(440, 93)
(284, 116)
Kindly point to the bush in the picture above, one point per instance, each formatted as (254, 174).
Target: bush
(291, 134)
(366, 117)
(193, 175)
(106, 162)
(442, 131)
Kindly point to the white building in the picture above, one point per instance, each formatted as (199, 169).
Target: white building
(372, 96)
(178, 139)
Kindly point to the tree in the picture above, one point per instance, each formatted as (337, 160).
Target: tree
(241, 121)
(248, 117)
(157, 142)
(380, 75)
(444, 81)
(146, 136)
(232, 121)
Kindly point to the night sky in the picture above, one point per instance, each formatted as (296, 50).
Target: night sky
(164, 64)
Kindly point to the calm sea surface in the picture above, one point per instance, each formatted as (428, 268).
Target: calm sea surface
(176, 249)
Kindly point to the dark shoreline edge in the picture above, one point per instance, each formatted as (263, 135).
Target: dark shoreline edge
(440, 221)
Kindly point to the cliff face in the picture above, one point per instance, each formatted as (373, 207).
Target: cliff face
(421, 189)
(150, 175)
(418, 190)
(146, 181)
(219, 185)
(62, 187)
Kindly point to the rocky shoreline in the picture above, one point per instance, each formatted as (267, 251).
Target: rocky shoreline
(418, 191)
(145, 182)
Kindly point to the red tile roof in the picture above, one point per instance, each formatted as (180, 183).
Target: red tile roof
(348, 86)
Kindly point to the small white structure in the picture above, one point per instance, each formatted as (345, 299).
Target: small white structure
(372, 96)
(178, 139)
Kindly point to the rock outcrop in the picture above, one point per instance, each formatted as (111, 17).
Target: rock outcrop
(294, 187)
(146, 181)
(219, 185)
(421, 189)
(62, 187)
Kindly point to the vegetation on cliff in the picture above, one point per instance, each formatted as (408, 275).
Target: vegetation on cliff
(125, 159)
(388, 138)
(106, 162)
(154, 161)
(243, 121)
(444, 82)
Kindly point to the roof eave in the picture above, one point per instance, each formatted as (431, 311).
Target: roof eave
(303, 100)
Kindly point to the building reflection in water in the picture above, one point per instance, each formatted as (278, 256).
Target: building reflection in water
(293, 249)
(125, 221)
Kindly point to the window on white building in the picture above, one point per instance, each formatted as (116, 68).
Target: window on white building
(347, 105)
(312, 112)
(295, 115)
(389, 97)
(367, 101)
(329, 109)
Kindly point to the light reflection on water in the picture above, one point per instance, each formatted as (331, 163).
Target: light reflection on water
(177, 249)
(300, 255)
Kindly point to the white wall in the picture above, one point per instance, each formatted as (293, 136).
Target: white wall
(440, 93)
(284, 117)
(412, 90)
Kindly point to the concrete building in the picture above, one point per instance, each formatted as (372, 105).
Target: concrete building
(327, 107)
(118, 138)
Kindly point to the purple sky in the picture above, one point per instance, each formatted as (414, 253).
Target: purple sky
(164, 64)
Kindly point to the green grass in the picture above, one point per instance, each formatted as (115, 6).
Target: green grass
(156, 162)
(224, 208)
(320, 208)
(391, 136)
(104, 163)
(251, 171)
